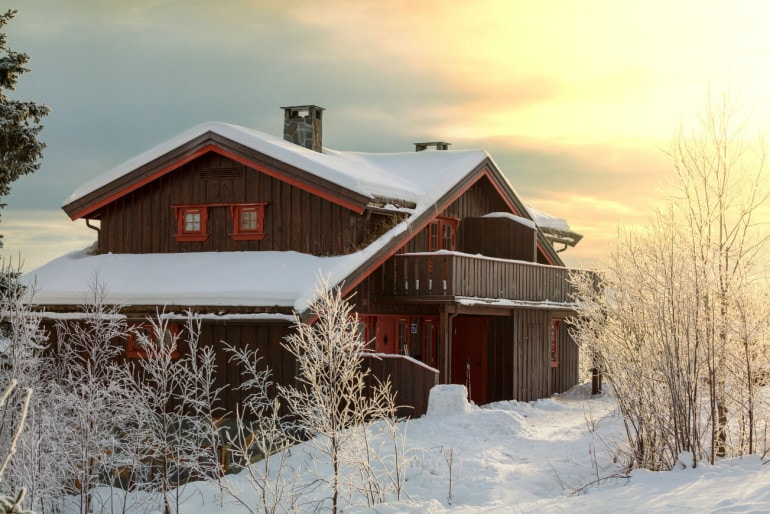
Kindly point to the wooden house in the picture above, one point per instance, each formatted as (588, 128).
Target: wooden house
(453, 278)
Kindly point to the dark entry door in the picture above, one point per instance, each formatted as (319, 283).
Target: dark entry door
(385, 340)
(469, 355)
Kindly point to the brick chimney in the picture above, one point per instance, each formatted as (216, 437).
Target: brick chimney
(440, 145)
(302, 125)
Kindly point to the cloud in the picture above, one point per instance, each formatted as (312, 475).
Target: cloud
(38, 236)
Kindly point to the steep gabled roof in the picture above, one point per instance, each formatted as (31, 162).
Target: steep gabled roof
(298, 166)
(427, 181)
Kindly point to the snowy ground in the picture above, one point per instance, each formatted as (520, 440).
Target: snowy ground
(539, 457)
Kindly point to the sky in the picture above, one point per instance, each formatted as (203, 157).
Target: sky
(575, 101)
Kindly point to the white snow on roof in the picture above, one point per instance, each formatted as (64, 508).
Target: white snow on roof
(256, 279)
(512, 217)
(253, 279)
(248, 279)
(406, 176)
(545, 220)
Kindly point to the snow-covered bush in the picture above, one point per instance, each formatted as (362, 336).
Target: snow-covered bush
(257, 444)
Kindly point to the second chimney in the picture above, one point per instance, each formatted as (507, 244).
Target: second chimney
(302, 125)
(440, 145)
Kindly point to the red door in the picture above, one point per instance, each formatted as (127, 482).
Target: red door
(385, 339)
(469, 355)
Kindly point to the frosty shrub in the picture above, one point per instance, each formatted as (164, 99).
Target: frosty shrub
(35, 467)
(12, 503)
(258, 443)
(679, 322)
(176, 409)
(335, 398)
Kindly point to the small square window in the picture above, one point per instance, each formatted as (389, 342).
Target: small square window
(248, 221)
(191, 223)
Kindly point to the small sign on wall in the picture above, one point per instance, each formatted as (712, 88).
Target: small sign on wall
(414, 328)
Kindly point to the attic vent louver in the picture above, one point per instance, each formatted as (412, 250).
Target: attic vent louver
(302, 126)
(440, 145)
(229, 173)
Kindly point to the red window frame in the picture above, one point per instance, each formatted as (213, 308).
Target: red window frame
(183, 231)
(135, 349)
(442, 234)
(555, 342)
(255, 230)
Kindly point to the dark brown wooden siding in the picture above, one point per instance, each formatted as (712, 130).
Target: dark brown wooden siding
(266, 337)
(566, 374)
(144, 221)
(497, 237)
(410, 381)
(519, 364)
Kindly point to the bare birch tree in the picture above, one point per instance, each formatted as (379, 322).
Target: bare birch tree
(335, 395)
(176, 408)
(88, 400)
(259, 441)
(674, 326)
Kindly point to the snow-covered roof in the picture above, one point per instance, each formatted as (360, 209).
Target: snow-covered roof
(407, 176)
(545, 220)
(255, 279)
(512, 217)
(240, 279)
(555, 229)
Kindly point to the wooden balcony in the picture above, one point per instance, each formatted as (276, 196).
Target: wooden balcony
(452, 274)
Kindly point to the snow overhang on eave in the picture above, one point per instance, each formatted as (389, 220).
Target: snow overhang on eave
(55, 313)
(515, 304)
(567, 238)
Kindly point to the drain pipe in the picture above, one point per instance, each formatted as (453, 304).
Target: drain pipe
(448, 357)
(93, 227)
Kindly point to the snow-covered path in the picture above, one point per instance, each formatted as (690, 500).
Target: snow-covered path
(512, 457)
(506, 455)
(532, 457)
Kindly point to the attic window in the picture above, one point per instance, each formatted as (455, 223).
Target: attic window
(191, 222)
(248, 221)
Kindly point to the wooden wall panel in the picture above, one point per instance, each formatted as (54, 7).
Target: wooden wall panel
(566, 374)
(144, 221)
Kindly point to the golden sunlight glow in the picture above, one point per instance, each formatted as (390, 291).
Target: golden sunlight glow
(581, 72)
(601, 84)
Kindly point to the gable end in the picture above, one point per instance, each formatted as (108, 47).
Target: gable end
(88, 205)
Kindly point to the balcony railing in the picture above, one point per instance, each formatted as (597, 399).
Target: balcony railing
(458, 274)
